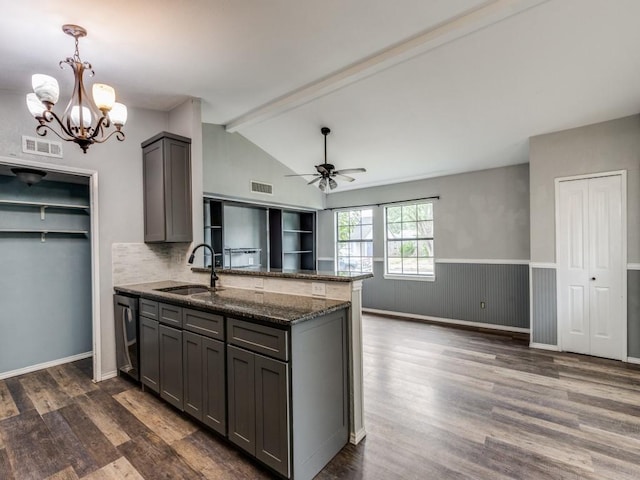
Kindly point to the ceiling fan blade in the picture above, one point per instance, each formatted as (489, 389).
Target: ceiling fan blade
(351, 170)
(314, 180)
(344, 177)
(300, 175)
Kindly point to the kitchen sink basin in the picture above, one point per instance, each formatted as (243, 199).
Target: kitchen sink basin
(186, 289)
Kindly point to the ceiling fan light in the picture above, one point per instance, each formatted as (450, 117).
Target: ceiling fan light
(332, 183)
(104, 96)
(118, 114)
(323, 184)
(46, 88)
(35, 106)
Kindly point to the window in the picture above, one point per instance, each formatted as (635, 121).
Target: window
(409, 240)
(355, 240)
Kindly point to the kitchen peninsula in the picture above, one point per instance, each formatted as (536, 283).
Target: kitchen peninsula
(290, 360)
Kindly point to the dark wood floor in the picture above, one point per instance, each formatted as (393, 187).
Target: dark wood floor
(440, 403)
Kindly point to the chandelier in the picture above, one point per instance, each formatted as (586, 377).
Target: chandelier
(84, 122)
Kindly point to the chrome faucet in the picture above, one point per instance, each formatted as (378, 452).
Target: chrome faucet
(192, 257)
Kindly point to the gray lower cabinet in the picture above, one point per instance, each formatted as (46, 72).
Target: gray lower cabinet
(204, 380)
(171, 365)
(241, 398)
(149, 354)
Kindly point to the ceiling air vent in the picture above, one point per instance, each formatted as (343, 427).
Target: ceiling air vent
(259, 187)
(39, 146)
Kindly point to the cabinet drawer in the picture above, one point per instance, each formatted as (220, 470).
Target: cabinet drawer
(207, 324)
(170, 315)
(149, 309)
(258, 338)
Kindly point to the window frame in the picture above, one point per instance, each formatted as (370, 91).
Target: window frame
(420, 277)
(359, 241)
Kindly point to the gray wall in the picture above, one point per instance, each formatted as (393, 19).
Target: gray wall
(45, 287)
(119, 167)
(245, 227)
(481, 215)
(602, 147)
(607, 146)
(230, 162)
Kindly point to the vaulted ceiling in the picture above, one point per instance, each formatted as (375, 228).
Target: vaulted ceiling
(410, 88)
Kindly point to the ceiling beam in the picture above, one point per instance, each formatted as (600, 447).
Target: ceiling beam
(468, 22)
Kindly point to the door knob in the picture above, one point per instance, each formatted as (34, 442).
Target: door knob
(593, 278)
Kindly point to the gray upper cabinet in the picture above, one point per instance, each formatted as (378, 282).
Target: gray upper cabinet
(166, 160)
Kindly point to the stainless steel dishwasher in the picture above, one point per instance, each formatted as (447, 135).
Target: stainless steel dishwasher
(127, 332)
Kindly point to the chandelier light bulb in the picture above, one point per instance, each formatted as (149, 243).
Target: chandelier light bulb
(104, 96)
(46, 88)
(35, 106)
(118, 114)
(75, 117)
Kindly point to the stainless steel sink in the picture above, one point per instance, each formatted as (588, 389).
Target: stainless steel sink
(185, 289)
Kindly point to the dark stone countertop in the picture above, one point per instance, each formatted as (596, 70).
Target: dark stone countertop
(270, 307)
(295, 274)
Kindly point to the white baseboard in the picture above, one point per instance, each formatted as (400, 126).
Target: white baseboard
(41, 366)
(356, 437)
(544, 346)
(633, 360)
(108, 375)
(450, 321)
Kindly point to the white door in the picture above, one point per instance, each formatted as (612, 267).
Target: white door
(589, 251)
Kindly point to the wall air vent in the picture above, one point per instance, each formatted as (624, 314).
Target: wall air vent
(259, 187)
(39, 146)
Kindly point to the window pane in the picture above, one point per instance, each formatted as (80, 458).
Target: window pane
(394, 265)
(409, 213)
(425, 211)
(394, 249)
(409, 248)
(367, 232)
(367, 249)
(425, 228)
(394, 230)
(344, 232)
(430, 248)
(367, 264)
(354, 217)
(394, 214)
(343, 249)
(367, 217)
(410, 266)
(356, 232)
(409, 230)
(425, 266)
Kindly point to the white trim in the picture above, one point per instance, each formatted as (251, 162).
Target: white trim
(467, 22)
(543, 265)
(487, 261)
(633, 360)
(355, 437)
(95, 242)
(41, 366)
(544, 346)
(411, 278)
(451, 321)
(623, 260)
(108, 375)
(633, 266)
(531, 322)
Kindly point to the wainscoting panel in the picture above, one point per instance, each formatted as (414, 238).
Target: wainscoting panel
(633, 313)
(457, 293)
(544, 323)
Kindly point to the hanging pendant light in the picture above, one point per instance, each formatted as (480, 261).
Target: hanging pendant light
(84, 122)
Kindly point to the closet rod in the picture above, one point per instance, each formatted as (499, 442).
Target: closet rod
(434, 197)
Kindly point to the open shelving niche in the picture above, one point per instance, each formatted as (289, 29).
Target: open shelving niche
(43, 206)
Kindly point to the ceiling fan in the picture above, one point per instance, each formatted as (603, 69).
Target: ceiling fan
(326, 172)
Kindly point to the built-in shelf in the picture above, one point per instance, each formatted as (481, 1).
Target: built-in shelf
(298, 252)
(44, 231)
(44, 204)
(296, 231)
(214, 227)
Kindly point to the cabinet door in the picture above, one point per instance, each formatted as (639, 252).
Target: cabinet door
(153, 191)
(177, 200)
(214, 388)
(192, 374)
(171, 365)
(241, 398)
(272, 413)
(149, 354)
